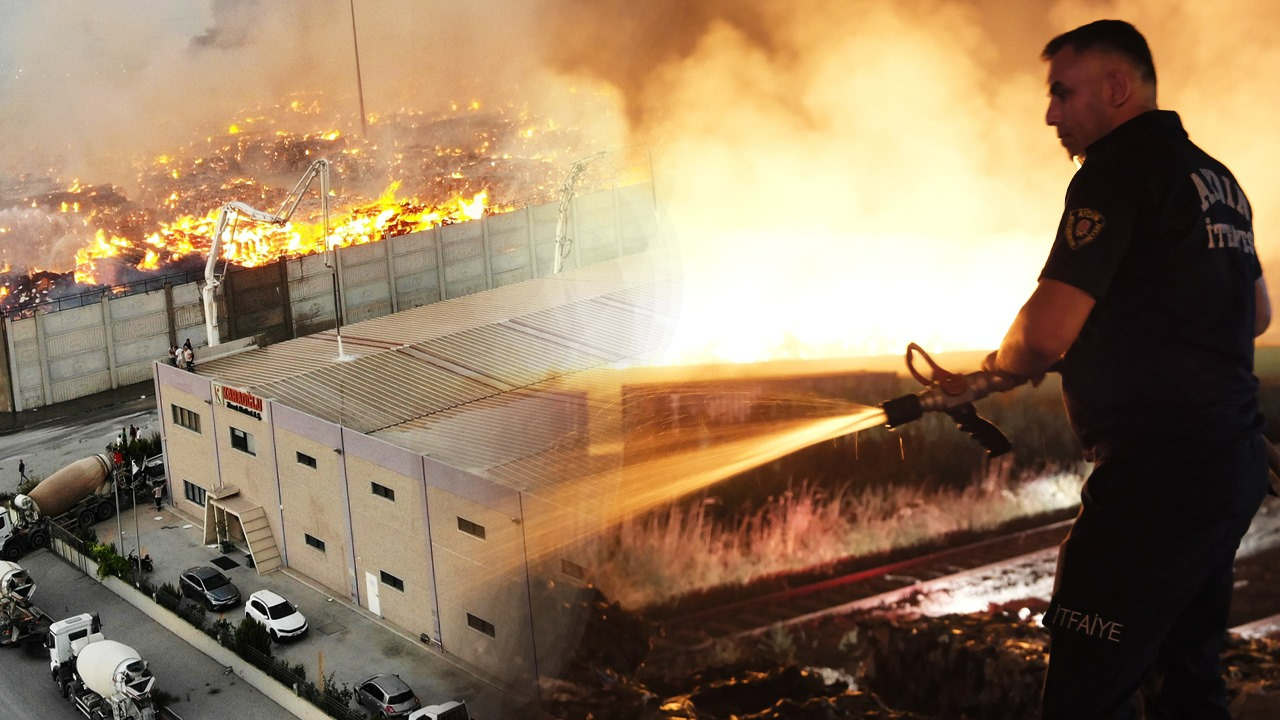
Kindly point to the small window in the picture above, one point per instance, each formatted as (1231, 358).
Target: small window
(314, 542)
(391, 580)
(193, 492)
(573, 570)
(185, 418)
(483, 626)
(384, 491)
(242, 441)
(470, 528)
(305, 459)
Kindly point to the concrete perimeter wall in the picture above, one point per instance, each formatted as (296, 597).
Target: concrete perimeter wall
(57, 356)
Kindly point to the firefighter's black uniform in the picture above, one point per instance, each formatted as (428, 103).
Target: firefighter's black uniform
(1159, 388)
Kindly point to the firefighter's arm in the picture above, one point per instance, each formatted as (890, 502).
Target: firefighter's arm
(1045, 327)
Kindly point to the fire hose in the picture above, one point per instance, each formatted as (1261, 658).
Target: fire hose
(953, 394)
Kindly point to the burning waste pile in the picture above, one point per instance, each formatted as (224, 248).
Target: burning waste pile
(409, 172)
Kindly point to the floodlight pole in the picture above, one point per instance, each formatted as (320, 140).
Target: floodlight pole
(355, 44)
(116, 485)
(137, 534)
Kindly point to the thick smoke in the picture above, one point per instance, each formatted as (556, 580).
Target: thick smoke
(87, 87)
(877, 172)
(841, 176)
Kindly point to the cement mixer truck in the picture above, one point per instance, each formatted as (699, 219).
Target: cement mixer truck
(104, 679)
(79, 494)
(20, 620)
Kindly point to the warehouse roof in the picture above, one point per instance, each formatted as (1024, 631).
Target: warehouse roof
(479, 381)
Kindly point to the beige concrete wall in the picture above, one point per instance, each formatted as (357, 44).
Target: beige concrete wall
(191, 456)
(312, 500)
(254, 475)
(556, 537)
(139, 336)
(485, 578)
(390, 535)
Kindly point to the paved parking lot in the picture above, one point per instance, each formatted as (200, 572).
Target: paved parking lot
(345, 641)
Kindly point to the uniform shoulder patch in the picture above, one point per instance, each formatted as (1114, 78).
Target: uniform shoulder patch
(1083, 226)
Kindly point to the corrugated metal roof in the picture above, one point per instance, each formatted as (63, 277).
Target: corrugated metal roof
(472, 382)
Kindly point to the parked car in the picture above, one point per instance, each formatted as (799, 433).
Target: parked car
(452, 710)
(387, 696)
(275, 613)
(209, 586)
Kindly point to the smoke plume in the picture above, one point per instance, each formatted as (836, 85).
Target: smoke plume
(840, 177)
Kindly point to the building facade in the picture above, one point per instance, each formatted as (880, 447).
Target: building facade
(442, 473)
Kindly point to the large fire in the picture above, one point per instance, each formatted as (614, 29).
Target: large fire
(254, 245)
(409, 173)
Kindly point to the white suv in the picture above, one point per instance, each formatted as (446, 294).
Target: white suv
(278, 615)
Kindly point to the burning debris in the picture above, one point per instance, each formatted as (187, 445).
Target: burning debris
(410, 172)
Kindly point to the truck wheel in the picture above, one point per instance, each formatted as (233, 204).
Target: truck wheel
(104, 511)
(39, 539)
(86, 518)
(12, 550)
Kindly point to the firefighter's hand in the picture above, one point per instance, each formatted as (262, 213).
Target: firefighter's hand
(989, 365)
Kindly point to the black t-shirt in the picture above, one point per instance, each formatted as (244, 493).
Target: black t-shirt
(1161, 236)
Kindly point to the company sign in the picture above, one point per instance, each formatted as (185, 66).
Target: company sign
(238, 400)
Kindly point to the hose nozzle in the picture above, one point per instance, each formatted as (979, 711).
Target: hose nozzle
(954, 395)
(947, 395)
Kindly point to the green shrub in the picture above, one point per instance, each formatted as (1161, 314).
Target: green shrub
(223, 633)
(168, 596)
(194, 613)
(251, 634)
(110, 562)
(333, 693)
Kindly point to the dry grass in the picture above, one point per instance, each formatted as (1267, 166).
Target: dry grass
(672, 553)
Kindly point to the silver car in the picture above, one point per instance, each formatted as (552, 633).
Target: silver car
(387, 696)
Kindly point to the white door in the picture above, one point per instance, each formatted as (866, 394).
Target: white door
(371, 590)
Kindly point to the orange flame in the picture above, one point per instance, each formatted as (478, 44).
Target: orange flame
(252, 245)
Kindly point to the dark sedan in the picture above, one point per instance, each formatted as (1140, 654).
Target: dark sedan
(209, 586)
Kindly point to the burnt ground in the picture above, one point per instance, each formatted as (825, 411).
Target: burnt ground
(979, 666)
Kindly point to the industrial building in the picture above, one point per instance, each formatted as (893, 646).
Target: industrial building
(439, 466)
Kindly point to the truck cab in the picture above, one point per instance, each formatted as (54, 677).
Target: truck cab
(68, 637)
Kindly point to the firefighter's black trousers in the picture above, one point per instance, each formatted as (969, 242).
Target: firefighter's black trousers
(1144, 579)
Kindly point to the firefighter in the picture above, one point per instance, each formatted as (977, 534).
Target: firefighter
(1148, 304)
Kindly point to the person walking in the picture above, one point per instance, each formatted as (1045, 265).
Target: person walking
(22, 469)
(1148, 305)
(158, 493)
